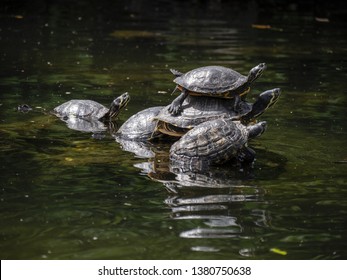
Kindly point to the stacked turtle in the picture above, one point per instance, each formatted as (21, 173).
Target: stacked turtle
(209, 130)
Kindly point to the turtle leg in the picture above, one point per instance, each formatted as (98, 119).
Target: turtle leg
(246, 156)
(176, 104)
(237, 100)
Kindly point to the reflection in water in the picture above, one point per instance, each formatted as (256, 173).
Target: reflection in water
(139, 148)
(221, 211)
(85, 125)
(218, 201)
(91, 51)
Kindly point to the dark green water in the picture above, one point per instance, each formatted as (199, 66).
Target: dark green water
(67, 195)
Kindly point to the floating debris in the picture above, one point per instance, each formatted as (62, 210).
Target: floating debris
(261, 26)
(266, 26)
(320, 19)
(278, 251)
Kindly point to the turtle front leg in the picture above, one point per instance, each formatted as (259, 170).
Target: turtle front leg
(246, 156)
(176, 105)
(237, 100)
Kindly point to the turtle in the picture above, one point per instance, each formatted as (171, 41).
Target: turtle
(24, 108)
(197, 110)
(140, 126)
(215, 81)
(215, 142)
(154, 122)
(91, 110)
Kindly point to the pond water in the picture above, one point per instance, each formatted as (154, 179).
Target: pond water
(67, 194)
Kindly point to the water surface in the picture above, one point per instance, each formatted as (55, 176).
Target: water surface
(68, 195)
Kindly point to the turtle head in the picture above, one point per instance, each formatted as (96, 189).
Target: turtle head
(264, 101)
(257, 129)
(256, 72)
(117, 105)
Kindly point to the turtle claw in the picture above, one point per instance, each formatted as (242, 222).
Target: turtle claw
(174, 109)
(176, 105)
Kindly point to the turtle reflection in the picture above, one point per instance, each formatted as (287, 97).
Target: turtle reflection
(218, 198)
(218, 203)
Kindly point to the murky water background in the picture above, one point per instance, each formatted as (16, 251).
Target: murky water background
(67, 195)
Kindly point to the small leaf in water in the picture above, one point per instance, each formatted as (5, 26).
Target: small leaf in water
(321, 19)
(278, 251)
(68, 159)
(266, 26)
(261, 26)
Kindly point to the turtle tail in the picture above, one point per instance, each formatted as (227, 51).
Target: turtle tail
(176, 73)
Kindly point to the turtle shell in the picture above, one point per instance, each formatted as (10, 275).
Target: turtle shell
(141, 125)
(85, 109)
(212, 80)
(212, 142)
(196, 110)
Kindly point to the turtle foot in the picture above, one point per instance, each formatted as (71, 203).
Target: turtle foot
(174, 109)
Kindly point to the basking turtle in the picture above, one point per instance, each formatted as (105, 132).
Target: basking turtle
(24, 108)
(264, 101)
(91, 110)
(216, 81)
(197, 110)
(215, 142)
(139, 126)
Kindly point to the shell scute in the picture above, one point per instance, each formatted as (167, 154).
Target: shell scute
(213, 141)
(213, 80)
(81, 109)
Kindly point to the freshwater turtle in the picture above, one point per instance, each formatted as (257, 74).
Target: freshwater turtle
(197, 110)
(139, 126)
(215, 142)
(216, 81)
(264, 101)
(91, 110)
(24, 108)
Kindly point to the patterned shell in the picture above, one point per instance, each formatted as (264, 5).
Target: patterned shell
(86, 109)
(214, 141)
(213, 80)
(198, 109)
(141, 125)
